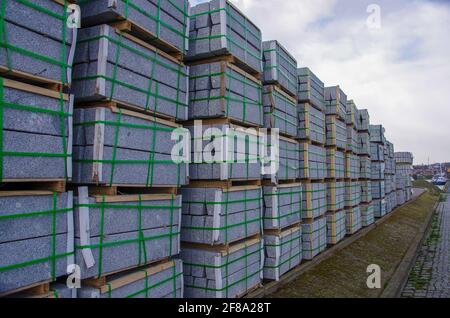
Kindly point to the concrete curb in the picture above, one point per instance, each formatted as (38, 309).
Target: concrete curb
(272, 287)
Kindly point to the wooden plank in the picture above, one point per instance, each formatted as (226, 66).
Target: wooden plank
(32, 79)
(34, 89)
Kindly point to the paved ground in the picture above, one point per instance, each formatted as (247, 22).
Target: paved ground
(344, 274)
(430, 276)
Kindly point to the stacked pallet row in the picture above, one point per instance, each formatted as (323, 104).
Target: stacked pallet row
(131, 89)
(222, 244)
(336, 147)
(365, 164)
(313, 162)
(282, 193)
(390, 177)
(404, 162)
(36, 211)
(353, 187)
(377, 142)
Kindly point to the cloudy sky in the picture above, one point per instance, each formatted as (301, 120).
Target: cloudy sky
(400, 71)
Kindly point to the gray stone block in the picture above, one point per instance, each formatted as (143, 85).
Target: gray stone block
(37, 132)
(352, 166)
(125, 148)
(221, 90)
(165, 21)
(314, 200)
(108, 66)
(216, 216)
(314, 238)
(242, 161)
(335, 164)
(280, 111)
(312, 125)
(310, 89)
(280, 67)
(366, 191)
(287, 161)
(113, 233)
(335, 196)
(219, 28)
(283, 252)
(352, 193)
(156, 281)
(377, 134)
(379, 207)
(282, 206)
(36, 238)
(313, 162)
(352, 113)
(365, 168)
(353, 220)
(39, 42)
(378, 171)
(352, 140)
(336, 133)
(222, 274)
(367, 214)
(336, 102)
(336, 227)
(362, 120)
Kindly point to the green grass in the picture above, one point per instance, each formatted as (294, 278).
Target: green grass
(344, 274)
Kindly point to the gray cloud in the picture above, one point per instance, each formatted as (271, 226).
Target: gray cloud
(399, 72)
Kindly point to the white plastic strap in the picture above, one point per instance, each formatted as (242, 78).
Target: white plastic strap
(218, 275)
(85, 231)
(69, 139)
(70, 231)
(216, 216)
(275, 220)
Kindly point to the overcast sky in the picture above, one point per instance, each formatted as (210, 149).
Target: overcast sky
(400, 72)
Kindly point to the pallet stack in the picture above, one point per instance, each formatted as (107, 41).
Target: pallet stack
(365, 166)
(377, 142)
(313, 162)
(223, 249)
(282, 193)
(352, 169)
(390, 178)
(131, 89)
(36, 211)
(404, 162)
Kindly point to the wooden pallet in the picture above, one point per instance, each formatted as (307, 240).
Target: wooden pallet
(226, 184)
(58, 185)
(102, 281)
(149, 38)
(227, 248)
(127, 189)
(115, 105)
(34, 290)
(234, 123)
(311, 142)
(226, 58)
(35, 80)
